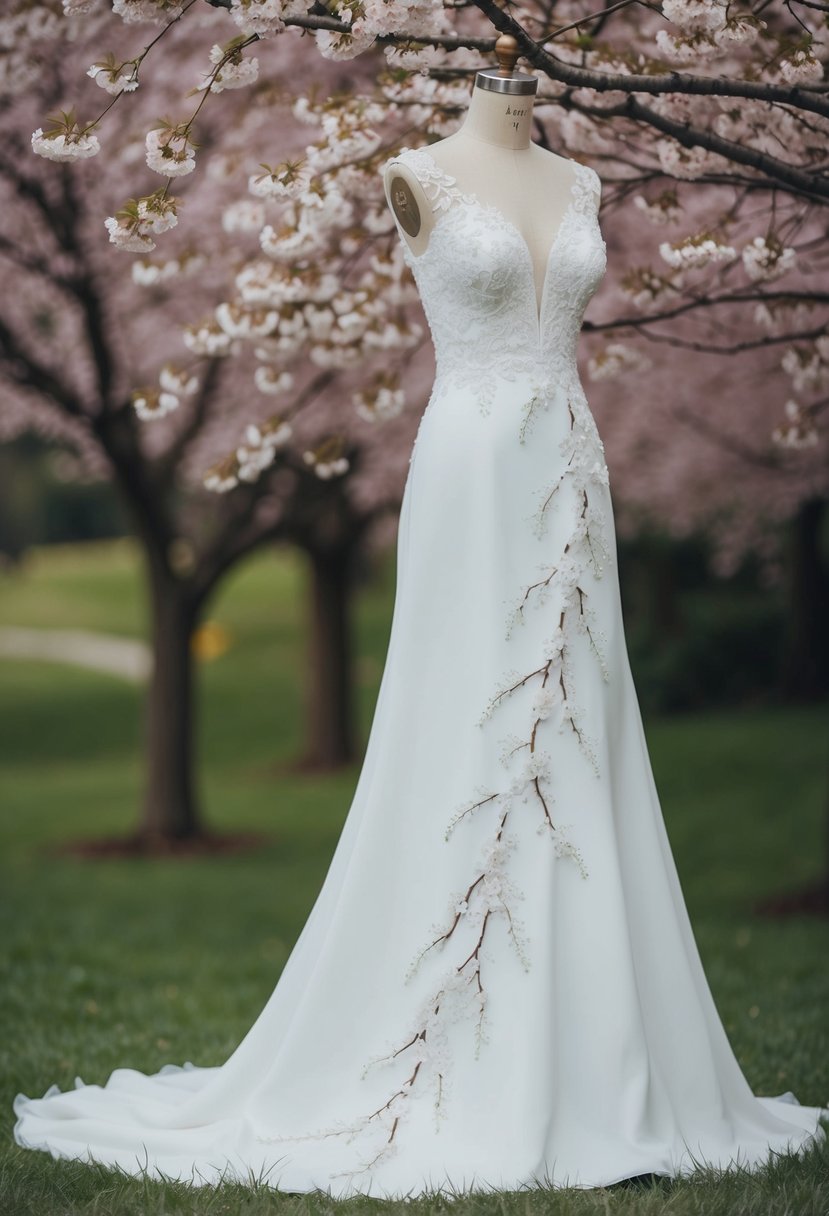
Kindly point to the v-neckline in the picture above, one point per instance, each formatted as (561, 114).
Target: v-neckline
(470, 197)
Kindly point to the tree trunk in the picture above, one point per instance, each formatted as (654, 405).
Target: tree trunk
(170, 808)
(825, 882)
(330, 730)
(806, 662)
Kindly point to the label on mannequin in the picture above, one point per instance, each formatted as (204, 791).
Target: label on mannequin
(405, 205)
(514, 113)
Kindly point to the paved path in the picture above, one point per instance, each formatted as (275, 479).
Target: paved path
(126, 657)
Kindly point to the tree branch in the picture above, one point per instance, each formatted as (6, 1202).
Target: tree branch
(26, 370)
(736, 297)
(671, 82)
(172, 456)
(87, 294)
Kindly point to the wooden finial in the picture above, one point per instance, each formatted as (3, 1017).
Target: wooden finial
(506, 52)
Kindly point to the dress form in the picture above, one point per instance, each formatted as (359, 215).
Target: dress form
(491, 156)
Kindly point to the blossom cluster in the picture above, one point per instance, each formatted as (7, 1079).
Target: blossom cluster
(171, 150)
(693, 252)
(231, 69)
(659, 211)
(260, 446)
(614, 360)
(799, 430)
(114, 75)
(65, 139)
(326, 461)
(647, 290)
(384, 400)
(139, 220)
(318, 282)
(766, 259)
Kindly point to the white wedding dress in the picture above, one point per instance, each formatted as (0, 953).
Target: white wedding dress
(498, 984)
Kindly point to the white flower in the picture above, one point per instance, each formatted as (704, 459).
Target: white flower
(333, 45)
(262, 17)
(115, 77)
(325, 468)
(320, 321)
(128, 237)
(646, 289)
(207, 339)
(688, 164)
(681, 50)
(663, 210)
(152, 11)
(278, 431)
(420, 58)
(615, 359)
(765, 260)
(170, 151)
(134, 226)
(287, 180)
(292, 244)
(174, 380)
(259, 446)
(235, 73)
(245, 215)
(65, 145)
(244, 323)
(801, 67)
(152, 404)
(799, 432)
(331, 468)
(694, 252)
(741, 30)
(157, 214)
(147, 274)
(807, 369)
(385, 402)
(272, 382)
(706, 16)
(219, 484)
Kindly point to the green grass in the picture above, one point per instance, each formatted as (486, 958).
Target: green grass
(139, 963)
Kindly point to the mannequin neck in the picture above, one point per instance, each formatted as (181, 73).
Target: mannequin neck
(502, 119)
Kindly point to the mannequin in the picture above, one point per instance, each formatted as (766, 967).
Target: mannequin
(492, 157)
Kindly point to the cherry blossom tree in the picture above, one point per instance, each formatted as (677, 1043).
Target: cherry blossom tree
(707, 121)
(123, 368)
(713, 429)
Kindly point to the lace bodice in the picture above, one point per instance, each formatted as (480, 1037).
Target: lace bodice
(477, 284)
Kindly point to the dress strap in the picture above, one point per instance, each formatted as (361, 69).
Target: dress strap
(588, 191)
(440, 188)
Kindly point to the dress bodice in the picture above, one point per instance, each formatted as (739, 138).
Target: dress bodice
(477, 284)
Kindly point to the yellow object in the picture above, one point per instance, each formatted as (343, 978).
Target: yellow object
(209, 641)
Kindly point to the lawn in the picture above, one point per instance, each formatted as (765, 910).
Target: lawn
(144, 962)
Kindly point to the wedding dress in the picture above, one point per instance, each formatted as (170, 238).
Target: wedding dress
(498, 984)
